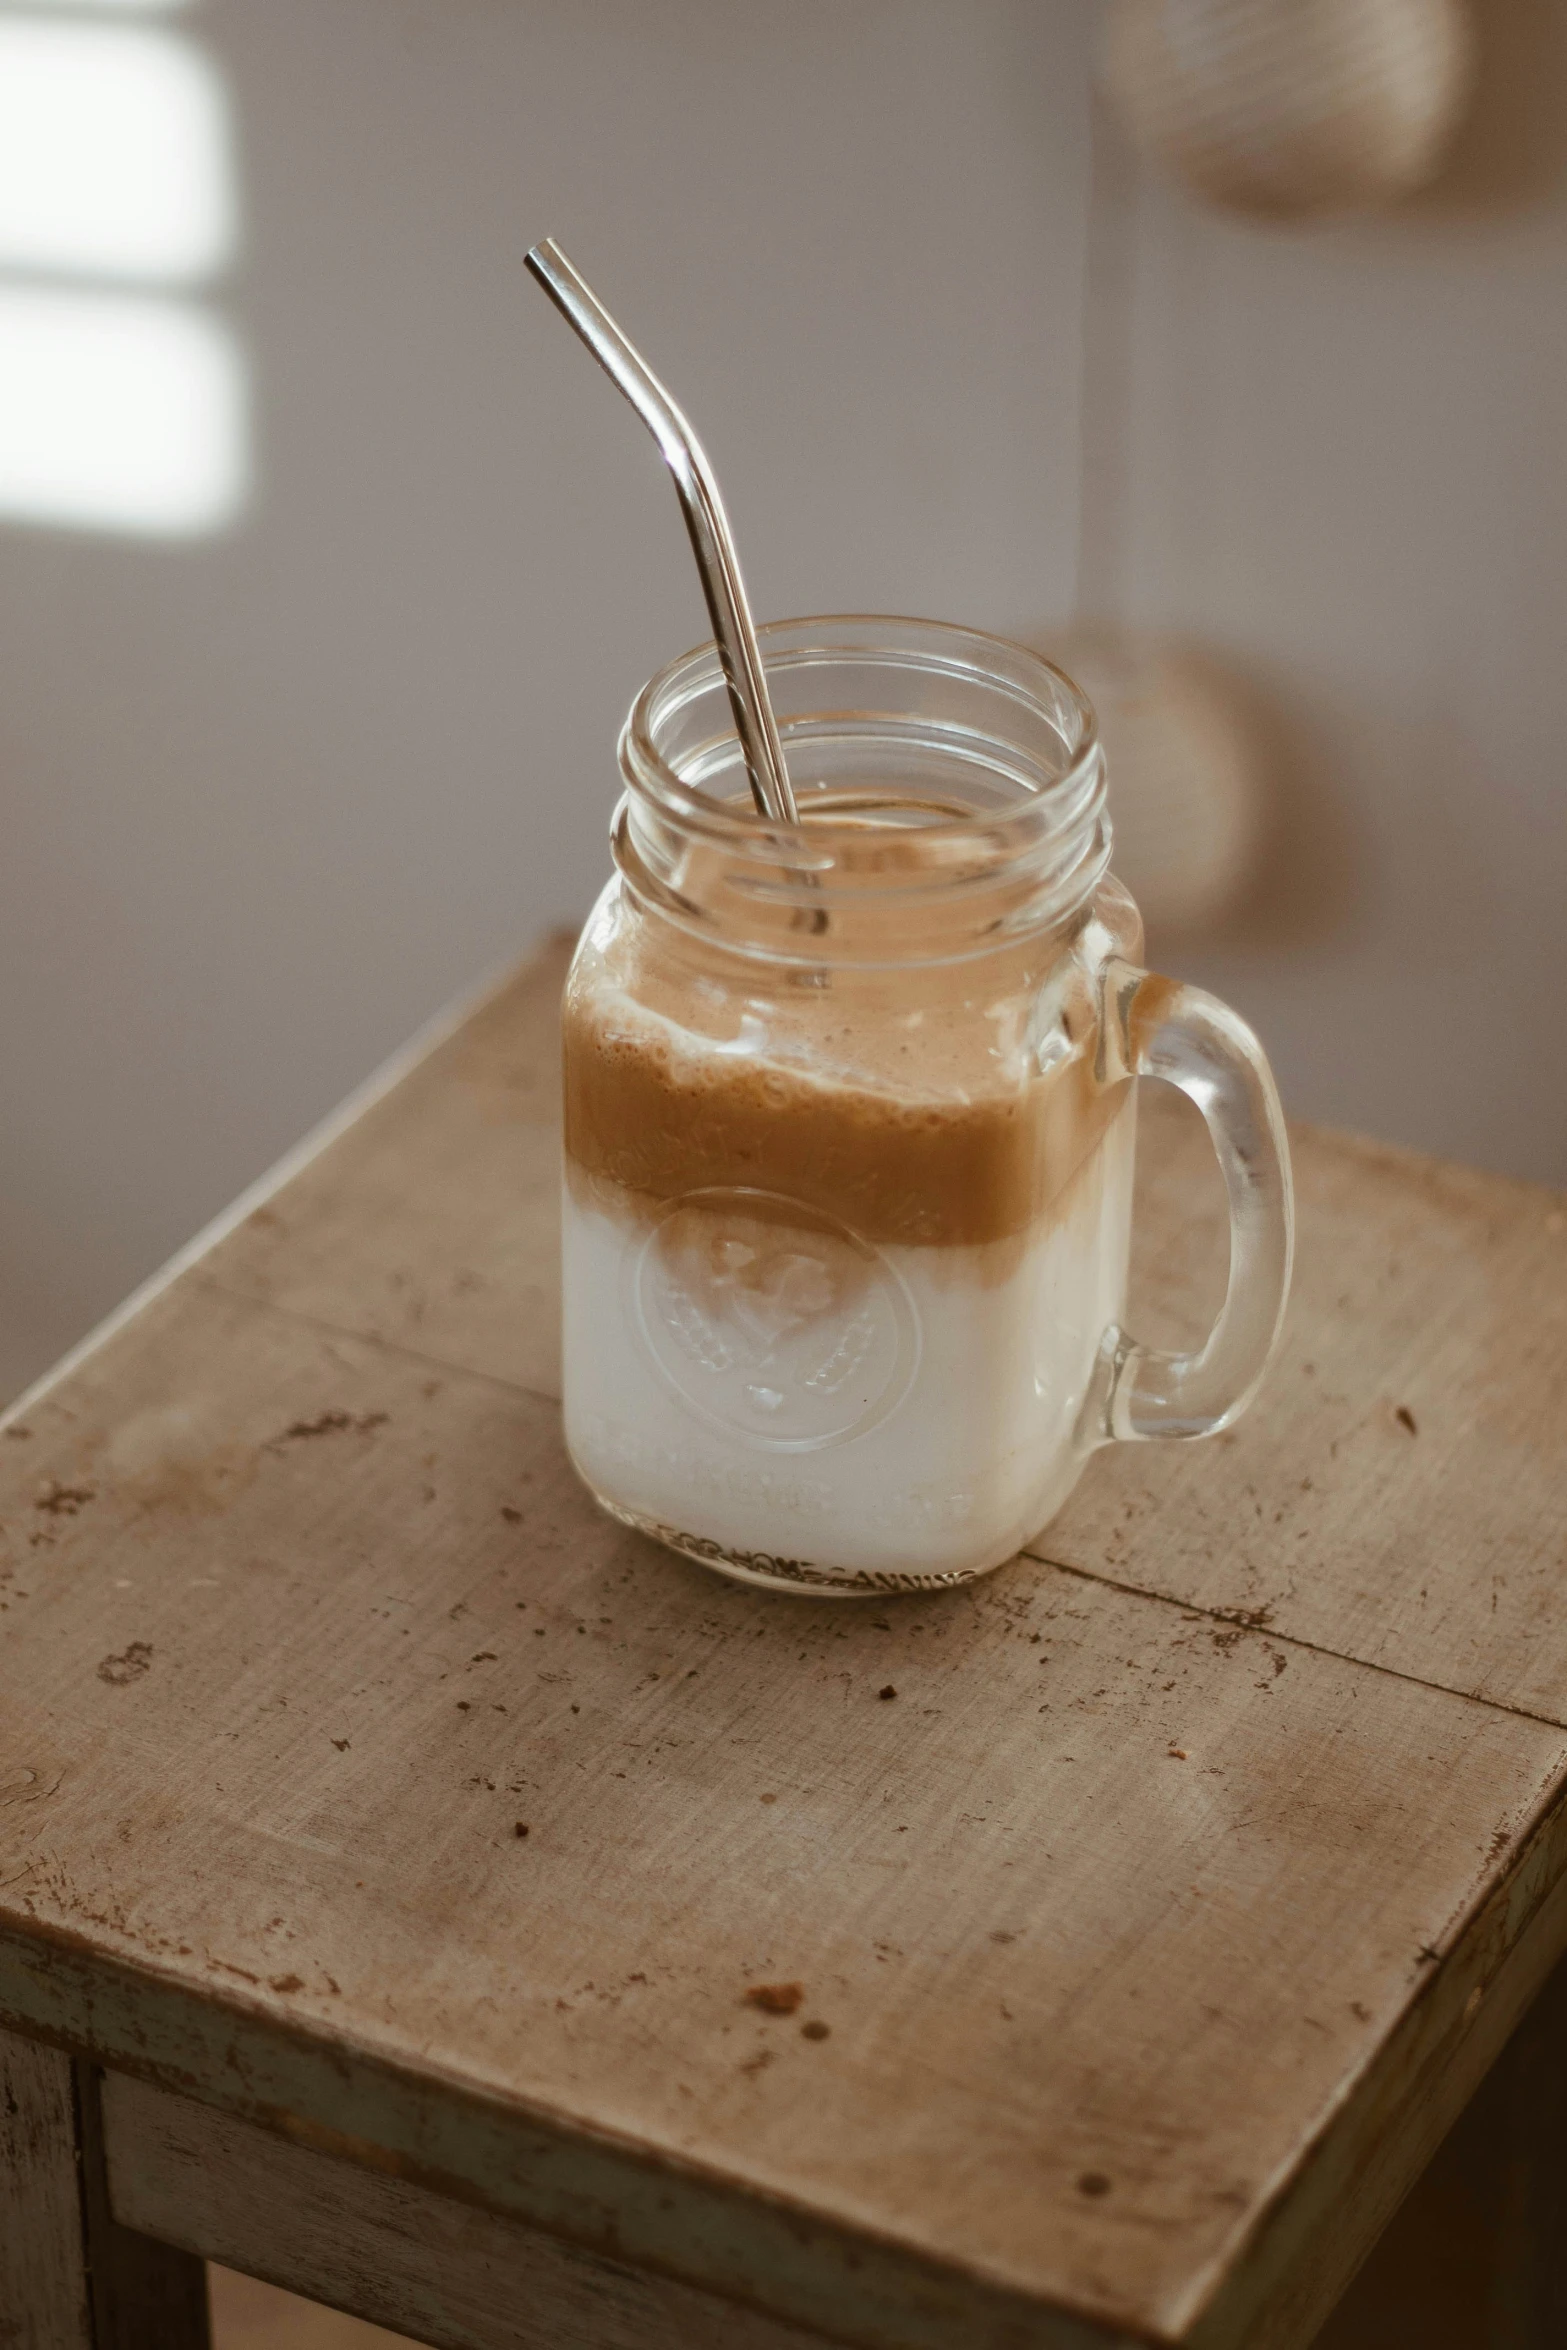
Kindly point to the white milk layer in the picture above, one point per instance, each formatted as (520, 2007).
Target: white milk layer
(767, 1391)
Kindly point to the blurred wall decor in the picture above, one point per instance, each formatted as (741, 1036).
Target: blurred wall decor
(1187, 768)
(1292, 107)
(284, 769)
(1186, 762)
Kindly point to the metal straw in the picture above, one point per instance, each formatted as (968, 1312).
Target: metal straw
(711, 543)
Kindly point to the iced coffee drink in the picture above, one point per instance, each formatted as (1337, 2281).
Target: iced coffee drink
(850, 1125)
(835, 1296)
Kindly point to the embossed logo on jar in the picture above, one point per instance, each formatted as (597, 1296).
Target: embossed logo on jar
(774, 1321)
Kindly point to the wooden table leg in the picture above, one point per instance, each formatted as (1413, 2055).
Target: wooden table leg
(1477, 2257)
(71, 2278)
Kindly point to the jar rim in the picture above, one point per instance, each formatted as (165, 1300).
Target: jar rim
(893, 639)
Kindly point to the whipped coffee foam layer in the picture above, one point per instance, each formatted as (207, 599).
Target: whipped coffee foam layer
(916, 1117)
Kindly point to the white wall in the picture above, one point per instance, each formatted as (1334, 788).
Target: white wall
(271, 797)
(1347, 472)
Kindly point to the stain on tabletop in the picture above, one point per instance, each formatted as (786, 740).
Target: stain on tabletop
(129, 1665)
(775, 1998)
(63, 1501)
(330, 1424)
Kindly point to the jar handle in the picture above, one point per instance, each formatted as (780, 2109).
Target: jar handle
(1161, 1028)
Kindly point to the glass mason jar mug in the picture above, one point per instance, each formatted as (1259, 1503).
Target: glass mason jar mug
(850, 1124)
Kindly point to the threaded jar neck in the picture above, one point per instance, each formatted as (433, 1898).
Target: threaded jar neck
(950, 785)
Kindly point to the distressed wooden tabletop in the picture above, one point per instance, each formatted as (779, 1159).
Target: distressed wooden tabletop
(358, 1777)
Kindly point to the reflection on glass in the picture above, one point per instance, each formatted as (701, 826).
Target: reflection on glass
(120, 411)
(114, 153)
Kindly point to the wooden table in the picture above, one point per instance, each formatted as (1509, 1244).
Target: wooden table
(392, 1849)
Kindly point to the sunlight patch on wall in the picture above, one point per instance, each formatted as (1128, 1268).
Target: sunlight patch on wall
(108, 7)
(125, 414)
(114, 153)
(123, 407)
